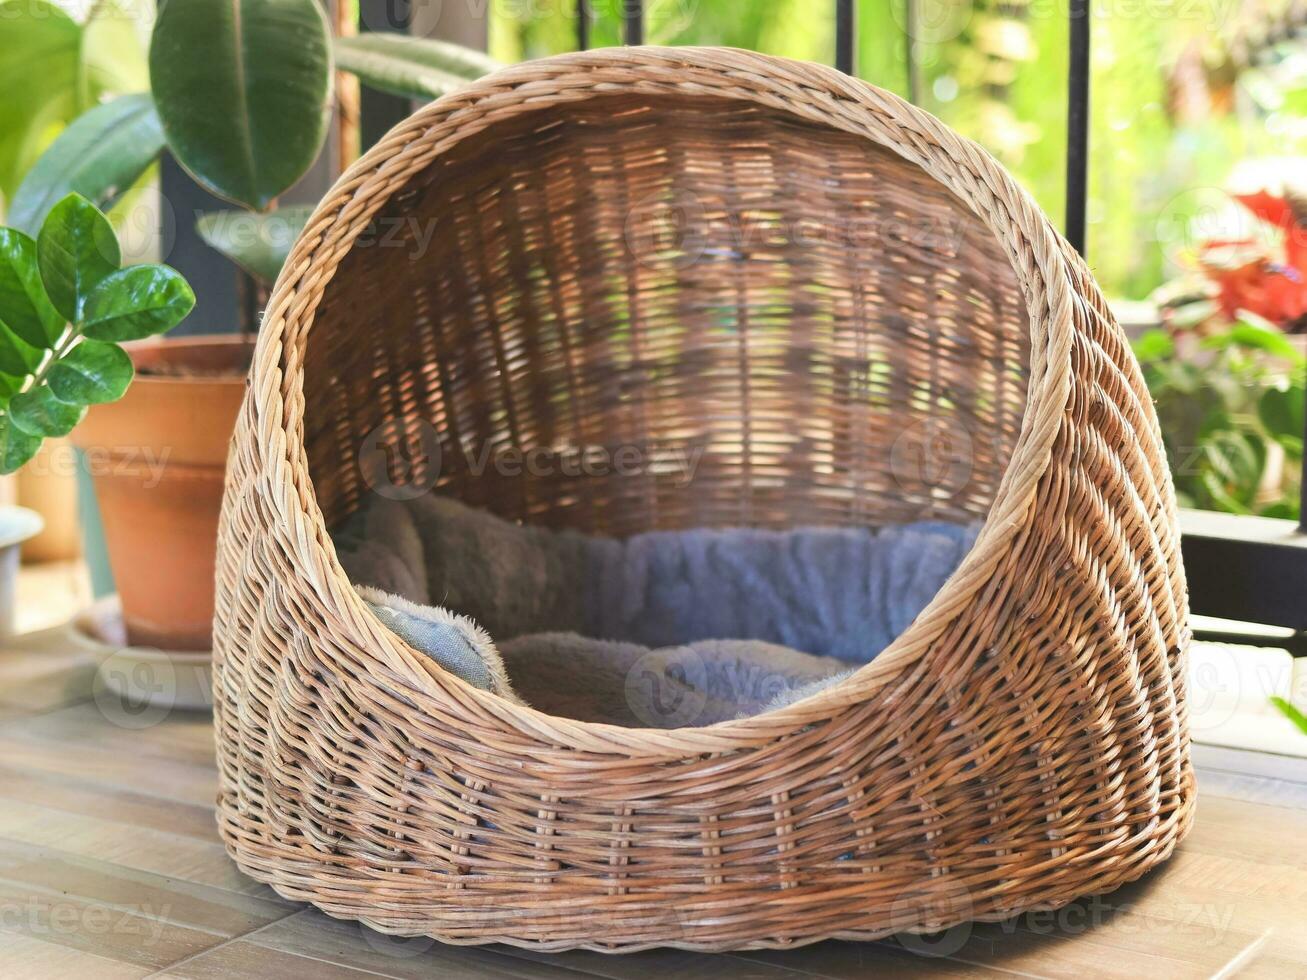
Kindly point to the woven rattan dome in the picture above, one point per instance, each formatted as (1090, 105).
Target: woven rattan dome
(814, 283)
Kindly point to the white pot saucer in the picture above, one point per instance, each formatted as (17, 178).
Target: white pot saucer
(144, 676)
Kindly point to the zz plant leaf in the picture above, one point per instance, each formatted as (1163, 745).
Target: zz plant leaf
(16, 358)
(91, 373)
(74, 251)
(16, 446)
(136, 302)
(64, 307)
(24, 307)
(39, 413)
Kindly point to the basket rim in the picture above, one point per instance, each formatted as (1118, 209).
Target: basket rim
(813, 92)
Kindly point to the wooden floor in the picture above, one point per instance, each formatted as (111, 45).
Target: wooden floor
(110, 866)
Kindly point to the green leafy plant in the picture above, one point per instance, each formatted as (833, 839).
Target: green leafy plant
(65, 306)
(239, 93)
(54, 68)
(1231, 405)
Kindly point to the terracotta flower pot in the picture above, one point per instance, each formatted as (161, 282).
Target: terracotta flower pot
(157, 458)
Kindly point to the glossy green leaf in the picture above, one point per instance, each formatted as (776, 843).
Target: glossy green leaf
(24, 307)
(258, 243)
(39, 413)
(243, 88)
(91, 373)
(139, 301)
(17, 358)
(52, 69)
(100, 156)
(419, 68)
(76, 249)
(16, 446)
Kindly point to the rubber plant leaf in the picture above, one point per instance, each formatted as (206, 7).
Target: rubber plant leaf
(418, 68)
(100, 155)
(258, 243)
(243, 88)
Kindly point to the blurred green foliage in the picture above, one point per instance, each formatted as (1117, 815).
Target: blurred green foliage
(995, 70)
(54, 67)
(1230, 406)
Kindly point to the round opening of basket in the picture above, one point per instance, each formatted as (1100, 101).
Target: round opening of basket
(816, 329)
(641, 312)
(657, 292)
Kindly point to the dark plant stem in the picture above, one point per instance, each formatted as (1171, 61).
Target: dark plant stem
(249, 304)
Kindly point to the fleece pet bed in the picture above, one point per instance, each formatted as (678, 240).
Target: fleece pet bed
(662, 629)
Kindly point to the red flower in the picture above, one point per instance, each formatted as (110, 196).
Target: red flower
(1288, 214)
(1249, 276)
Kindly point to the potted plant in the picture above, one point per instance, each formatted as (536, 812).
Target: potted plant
(54, 67)
(66, 307)
(240, 95)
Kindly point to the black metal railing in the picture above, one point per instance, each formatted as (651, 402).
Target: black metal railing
(846, 36)
(1077, 126)
(846, 60)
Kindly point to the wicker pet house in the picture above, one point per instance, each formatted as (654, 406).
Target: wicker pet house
(858, 318)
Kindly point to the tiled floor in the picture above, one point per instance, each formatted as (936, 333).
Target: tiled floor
(110, 866)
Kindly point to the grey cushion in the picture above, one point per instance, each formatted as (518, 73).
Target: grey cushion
(574, 614)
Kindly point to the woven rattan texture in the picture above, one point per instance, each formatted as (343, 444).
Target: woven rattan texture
(851, 316)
